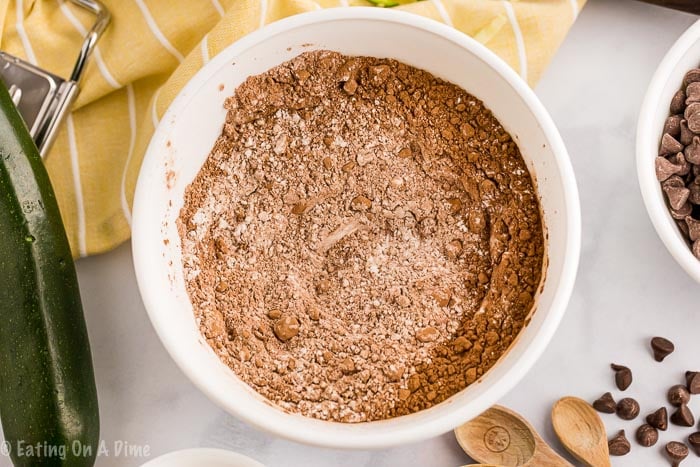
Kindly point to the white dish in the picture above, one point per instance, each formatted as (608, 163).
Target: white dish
(202, 457)
(667, 80)
(186, 135)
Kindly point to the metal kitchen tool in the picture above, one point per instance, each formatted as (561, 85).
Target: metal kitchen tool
(44, 99)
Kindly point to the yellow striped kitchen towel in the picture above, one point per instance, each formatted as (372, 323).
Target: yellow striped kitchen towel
(153, 47)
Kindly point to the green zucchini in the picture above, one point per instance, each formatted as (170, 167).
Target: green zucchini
(48, 399)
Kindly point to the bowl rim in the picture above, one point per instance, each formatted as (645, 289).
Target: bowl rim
(367, 439)
(201, 456)
(646, 152)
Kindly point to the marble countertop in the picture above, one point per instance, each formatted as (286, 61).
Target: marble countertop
(628, 288)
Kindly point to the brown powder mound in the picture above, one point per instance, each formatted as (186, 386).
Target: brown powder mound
(364, 240)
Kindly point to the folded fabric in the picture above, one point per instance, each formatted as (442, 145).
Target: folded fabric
(153, 47)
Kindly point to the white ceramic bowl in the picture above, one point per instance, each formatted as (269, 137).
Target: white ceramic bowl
(186, 135)
(667, 80)
(202, 457)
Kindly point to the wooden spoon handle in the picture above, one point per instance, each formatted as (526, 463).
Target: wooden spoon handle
(544, 455)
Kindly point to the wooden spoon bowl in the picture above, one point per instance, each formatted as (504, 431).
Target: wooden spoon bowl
(502, 437)
(581, 431)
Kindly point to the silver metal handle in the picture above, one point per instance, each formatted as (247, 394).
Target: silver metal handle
(101, 23)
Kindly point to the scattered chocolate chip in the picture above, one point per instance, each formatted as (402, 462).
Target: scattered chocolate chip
(662, 347)
(670, 145)
(677, 196)
(672, 126)
(647, 435)
(676, 452)
(605, 404)
(665, 168)
(678, 395)
(694, 441)
(658, 419)
(623, 376)
(692, 380)
(683, 416)
(618, 444)
(678, 102)
(627, 408)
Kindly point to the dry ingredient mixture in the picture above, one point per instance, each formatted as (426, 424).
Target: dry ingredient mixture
(364, 240)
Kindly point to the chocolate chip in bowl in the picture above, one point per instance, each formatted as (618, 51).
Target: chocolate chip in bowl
(330, 218)
(668, 151)
(678, 162)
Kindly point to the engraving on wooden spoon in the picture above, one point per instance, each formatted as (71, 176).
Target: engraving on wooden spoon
(502, 437)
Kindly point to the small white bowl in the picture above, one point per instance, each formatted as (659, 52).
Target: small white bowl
(202, 457)
(667, 80)
(185, 137)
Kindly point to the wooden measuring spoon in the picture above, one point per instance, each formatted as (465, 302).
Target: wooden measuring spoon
(581, 431)
(501, 436)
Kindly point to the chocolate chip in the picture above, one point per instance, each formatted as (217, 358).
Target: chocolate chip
(694, 441)
(665, 168)
(647, 435)
(682, 164)
(678, 102)
(696, 249)
(677, 196)
(627, 408)
(623, 376)
(686, 134)
(692, 115)
(692, 93)
(676, 452)
(692, 151)
(691, 76)
(694, 196)
(672, 126)
(693, 228)
(658, 419)
(683, 227)
(670, 145)
(673, 181)
(683, 212)
(662, 348)
(683, 416)
(678, 395)
(605, 404)
(692, 380)
(618, 444)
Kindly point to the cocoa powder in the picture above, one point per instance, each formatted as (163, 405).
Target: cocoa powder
(364, 240)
